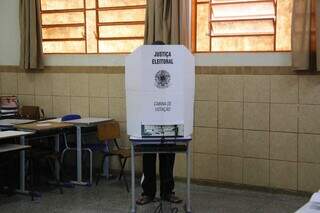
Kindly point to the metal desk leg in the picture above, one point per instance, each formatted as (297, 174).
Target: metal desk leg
(56, 149)
(106, 172)
(188, 155)
(79, 160)
(133, 187)
(22, 187)
(79, 155)
(22, 167)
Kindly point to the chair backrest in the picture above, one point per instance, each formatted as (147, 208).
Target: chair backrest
(70, 117)
(30, 112)
(108, 131)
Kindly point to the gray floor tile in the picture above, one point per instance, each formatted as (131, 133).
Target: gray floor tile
(111, 197)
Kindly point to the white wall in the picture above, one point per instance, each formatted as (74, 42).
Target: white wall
(10, 47)
(9, 32)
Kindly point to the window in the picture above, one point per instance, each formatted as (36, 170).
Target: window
(92, 26)
(242, 25)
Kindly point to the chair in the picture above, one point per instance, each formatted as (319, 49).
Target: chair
(47, 158)
(69, 148)
(41, 152)
(108, 133)
(31, 112)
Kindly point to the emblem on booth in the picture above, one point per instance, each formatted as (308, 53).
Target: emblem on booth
(162, 79)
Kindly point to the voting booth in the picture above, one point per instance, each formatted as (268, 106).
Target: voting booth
(159, 82)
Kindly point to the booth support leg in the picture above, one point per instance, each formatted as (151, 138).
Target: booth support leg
(188, 204)
(133, 195)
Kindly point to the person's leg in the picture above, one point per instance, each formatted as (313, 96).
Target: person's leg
(149, 184)
(166, 174)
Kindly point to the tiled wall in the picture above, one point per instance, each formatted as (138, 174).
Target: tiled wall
(261, 130)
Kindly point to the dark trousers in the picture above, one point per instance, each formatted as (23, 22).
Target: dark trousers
(166, 165)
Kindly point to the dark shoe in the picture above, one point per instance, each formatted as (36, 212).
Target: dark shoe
(173, 199)
(144, 199)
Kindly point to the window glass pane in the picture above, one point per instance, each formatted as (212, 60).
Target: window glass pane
(203, 39)
(61, 4)
(250, 43)
(253, 27)
(284, 12)
(122, 15)
(90, 4)
(62, 32)
(116, 3)
(63, 46)
(119, 46)
(91, 31)
(62, 18)
(122, 31)
(243, 10)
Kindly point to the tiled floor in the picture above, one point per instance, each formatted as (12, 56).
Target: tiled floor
(112, 197)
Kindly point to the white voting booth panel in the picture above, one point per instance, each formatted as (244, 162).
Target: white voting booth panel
(159, 83)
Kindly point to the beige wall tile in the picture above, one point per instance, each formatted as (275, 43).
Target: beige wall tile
(117, 109)
(309, 148)
(0, 84)
(9, 83)
(60, 84)
(283, 146)
(98, 85)
(99, 107)
(206, 87)
(26, 100)
(256, 172)
(256, 144)
(206, 167)
(284, 89)
(283, 174)
(309, 89)
(230, 88)
(43, 84)
(116, 85)
(257, 88)
(61, 105)
(80, 105)
(230, 115)
(206, 113)
(230, 142)
(256, 116)
(284, 117)
(124, 140)
(230, 169)
(180, 166)
(45, 103)
(309, 121)
(26, 83)
(79, 84)
(308, 179)
(205, 140)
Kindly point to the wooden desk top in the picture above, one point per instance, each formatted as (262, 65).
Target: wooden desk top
(12, 147)
(43, 126)
(88, 121)
(13, 134)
